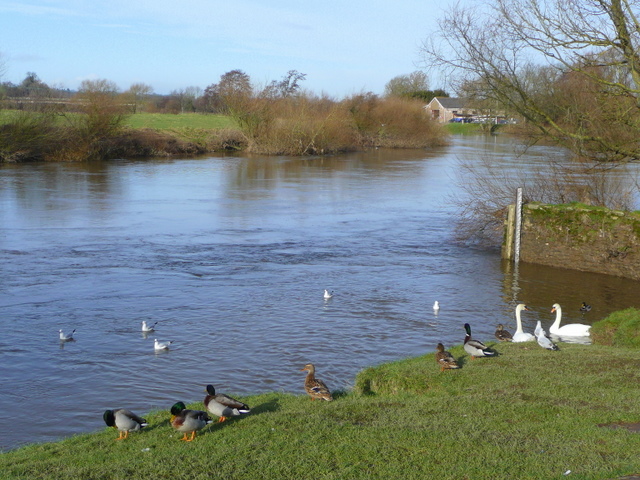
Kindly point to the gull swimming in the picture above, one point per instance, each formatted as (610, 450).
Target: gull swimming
(66, 337)
(161, 345)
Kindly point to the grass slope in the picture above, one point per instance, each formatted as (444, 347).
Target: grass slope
(528, 414)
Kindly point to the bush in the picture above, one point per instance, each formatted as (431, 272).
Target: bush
(620, 329)
(28, 136)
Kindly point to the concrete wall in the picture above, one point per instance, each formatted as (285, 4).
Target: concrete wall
(589, 239)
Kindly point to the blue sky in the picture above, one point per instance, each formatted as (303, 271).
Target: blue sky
(344, 46)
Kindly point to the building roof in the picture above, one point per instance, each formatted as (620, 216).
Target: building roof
(450, 102)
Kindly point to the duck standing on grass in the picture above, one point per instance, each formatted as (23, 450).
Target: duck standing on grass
(124, 420)
(502, 334)
(445, 359)
(476, 348)
(315, 387)
(188, 421)
(223, 405)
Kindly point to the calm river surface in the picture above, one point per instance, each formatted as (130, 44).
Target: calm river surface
(231, 256)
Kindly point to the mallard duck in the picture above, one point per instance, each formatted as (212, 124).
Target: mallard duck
(223, 405)
(521, 335)
(585, 307)
(148, 328)
(502, 334)
(570, 330)
(161, 345)
(328, 294)
(315, 387)
(124, 420)
(476, 348)
(188, 421)
(445, 359)
(542, 338)
(66, 337)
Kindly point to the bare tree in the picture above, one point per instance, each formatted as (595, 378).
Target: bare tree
(137, 94)
(407, 85)
(525, 54)
(104, 113)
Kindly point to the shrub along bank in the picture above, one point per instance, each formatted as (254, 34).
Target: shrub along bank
(290, 126)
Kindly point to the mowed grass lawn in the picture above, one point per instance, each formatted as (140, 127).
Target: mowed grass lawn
(527, 414)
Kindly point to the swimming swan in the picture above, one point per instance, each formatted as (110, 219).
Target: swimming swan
(570, 330)
(520, 335)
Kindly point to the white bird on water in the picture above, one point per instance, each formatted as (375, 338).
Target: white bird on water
(66, 337)
(327, 294)
(436, 307)
(148, 328)
(161, 345)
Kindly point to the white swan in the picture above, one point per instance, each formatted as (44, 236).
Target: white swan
(570, 330)
(161, 345)
(520, 335)
(327, 294)
(66, 337)
(542, 338)
(148, 328)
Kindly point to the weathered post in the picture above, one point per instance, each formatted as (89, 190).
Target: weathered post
(507, 250)
(516, 258)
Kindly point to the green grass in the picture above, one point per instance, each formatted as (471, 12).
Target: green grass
(464, 128)
(621, 328)
(167, 121)
(528, 414)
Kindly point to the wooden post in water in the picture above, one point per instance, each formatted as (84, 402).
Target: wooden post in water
(507, 251)
(516, 257)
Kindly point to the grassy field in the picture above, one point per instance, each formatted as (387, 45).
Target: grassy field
(159, 121)
(527, 414)
(166, 121)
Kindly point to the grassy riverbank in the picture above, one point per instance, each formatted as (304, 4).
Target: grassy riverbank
(528, 414)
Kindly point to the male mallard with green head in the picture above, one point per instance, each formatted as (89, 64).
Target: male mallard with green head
(315, 387)
(476, 348)
(124, 420)
(188, 421)
(223, 405)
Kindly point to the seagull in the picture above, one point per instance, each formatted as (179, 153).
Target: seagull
(161, 345)
(327, 294)
(543, 340)
(436, 306)
(148, 328)
(68, 337)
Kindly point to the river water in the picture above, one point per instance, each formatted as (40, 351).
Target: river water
(231, 255)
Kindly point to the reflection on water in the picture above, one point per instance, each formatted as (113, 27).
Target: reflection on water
(231, 256)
